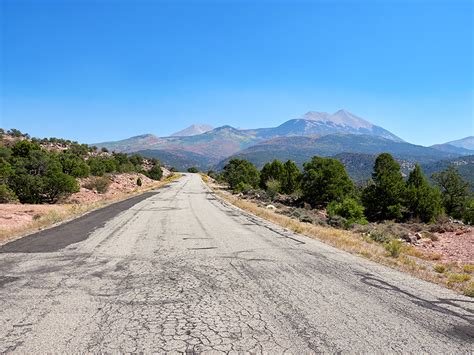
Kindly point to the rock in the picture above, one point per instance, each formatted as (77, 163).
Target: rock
(418, 235)
(271, 207)
(413, 239)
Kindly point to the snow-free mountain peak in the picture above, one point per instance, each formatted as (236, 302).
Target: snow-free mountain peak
(340, 118)
(193, 130)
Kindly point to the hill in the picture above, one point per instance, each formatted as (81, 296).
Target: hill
(466, 143)
(465, 166)
(301, 149)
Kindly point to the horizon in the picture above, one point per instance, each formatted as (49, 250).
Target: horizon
(120, 69)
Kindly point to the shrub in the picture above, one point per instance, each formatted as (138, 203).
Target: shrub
(139, 182)
(242, 187)
(469, 213)
(193, 169)
(439, 268)
(155, 173)
(99, 184)
(325, 180)
(56, 184)
(348, 208)
(273, 187)
(394, 247)
(7, 195)
(379, 236)
(97, 166)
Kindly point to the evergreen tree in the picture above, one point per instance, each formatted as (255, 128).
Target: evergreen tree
(239, 171)
(422, 200)
(325, 180)
(455, 191)
(271, 171)
(291, 178)
(383, 197)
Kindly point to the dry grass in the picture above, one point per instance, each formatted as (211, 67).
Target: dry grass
(71, 211)
(405, 258)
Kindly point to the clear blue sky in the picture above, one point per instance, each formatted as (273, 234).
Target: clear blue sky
(104, 69)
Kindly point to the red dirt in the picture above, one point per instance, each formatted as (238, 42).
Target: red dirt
(455, 247)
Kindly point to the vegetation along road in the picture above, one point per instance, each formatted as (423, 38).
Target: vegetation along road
(180, 270)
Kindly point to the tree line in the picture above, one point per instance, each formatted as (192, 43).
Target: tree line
(32, 174)
(324, 183)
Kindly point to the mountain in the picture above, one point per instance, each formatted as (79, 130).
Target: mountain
(321, 123)
(449, 148)
(131, 144)
(466, 143)
(193, 130)
(301, 149)
(465, 166)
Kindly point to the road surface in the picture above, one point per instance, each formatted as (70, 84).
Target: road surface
(181, 271)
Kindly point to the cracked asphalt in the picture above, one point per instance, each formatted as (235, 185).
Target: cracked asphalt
(182, 271)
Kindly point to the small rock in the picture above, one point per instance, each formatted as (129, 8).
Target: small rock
(413, 239)
(418, 235)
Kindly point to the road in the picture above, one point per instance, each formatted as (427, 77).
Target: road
(178, 270)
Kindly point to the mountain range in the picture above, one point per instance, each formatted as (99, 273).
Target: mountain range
(342, 134)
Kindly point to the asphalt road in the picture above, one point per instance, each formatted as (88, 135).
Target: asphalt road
(179, 270)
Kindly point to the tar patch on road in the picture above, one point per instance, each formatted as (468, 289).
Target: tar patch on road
(74, 231)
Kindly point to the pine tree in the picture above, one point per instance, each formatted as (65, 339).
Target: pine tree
(383, 197)
(422, 200)
(455, 191)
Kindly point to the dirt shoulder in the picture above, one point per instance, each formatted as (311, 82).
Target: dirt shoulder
(19, 220)
(442, 262)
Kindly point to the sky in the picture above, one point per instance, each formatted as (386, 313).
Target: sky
(102, 70)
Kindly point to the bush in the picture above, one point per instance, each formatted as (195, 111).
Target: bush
(99, 184)
(469, 213)
(325, 180)
(139, 182)
(394, 248)
(97, 166)
(56, 184)
(193, 169)
(350, 209)
(273, 187)
(7, 195)
(155, 173)
(242, 187)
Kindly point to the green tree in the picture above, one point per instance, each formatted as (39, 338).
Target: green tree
(325, 180)
(74, 165)
(455, 191)
(291, 178)
(23, 148)
(193, 169)
(240, 171)
(383, 198)
(271, 171)
(469, 213)
(97, 166)
(56, 184)
(422, 200)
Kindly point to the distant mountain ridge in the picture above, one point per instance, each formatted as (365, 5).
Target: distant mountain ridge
(466, 143)
(193, 130)
(314, 133)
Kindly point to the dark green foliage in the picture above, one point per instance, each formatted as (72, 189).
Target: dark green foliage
(273, 171)
(74, 165)
(39, 178)
(6, 171)
(238, 171)
(23, 148)
(455, 191)
(7, 195)
(422, 200)
(348, 208)
(15, 133)
(97, 166)
(155, 173)
(469, 213)
(104, 150)
(139, 182)
(383, 199)
(193, 169)
(291, 177)
(325, 180)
